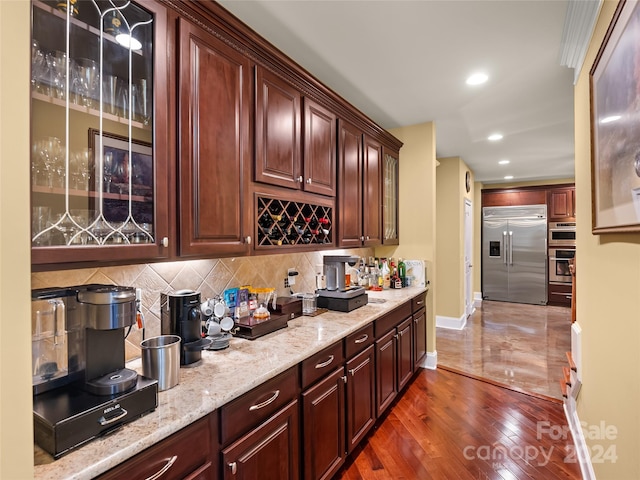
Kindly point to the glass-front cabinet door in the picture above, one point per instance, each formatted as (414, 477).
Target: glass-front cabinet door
(99, 134)
(390, 170)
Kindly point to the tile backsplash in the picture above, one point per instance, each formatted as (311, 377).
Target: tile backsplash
(210, 277)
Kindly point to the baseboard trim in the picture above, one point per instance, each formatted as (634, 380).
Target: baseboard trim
(477, 299)
(582, 450)
(430, 362)
(451, 322)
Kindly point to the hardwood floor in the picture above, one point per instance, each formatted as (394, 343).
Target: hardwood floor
(450, 426)
(522, 346)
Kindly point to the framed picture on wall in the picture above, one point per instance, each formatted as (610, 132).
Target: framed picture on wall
(615, 125)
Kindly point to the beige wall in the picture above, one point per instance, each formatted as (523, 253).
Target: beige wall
(608, 306)
(450, 237)
(417, 200)
(16, 434)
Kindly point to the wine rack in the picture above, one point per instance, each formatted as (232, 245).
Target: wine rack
(284, 222)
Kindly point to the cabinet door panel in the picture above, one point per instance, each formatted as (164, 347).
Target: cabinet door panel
(214, 149)
(372, 199)
(277, 131)
(361, 396)
(350, 185)
(269, 452)
(386, 371)
(405, 353)
(419, 337)
(323, 427)
(319, 149)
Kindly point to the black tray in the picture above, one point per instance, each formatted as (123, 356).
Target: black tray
(251, 332)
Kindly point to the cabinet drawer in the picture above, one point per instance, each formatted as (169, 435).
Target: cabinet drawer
(322, 363)
(391, 319)
(243, 413)
(358, 341)
(188, 453)
(418, 302)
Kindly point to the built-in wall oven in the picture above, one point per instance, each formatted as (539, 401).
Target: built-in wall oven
(562, 234)
(559, 258)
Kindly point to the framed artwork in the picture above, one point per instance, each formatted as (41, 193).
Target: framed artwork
(121, 174)
(615, 125)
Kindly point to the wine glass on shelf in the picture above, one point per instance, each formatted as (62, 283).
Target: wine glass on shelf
(107, 169)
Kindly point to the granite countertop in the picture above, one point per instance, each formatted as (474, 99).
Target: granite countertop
(218, 379)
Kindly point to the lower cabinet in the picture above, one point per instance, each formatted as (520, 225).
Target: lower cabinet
(419, 337)
(323, 428)
(268, 452)
(190, 454)
(386, 371)
(405, 352)
(361, 396)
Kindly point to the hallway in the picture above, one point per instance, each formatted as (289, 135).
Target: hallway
(518, 345)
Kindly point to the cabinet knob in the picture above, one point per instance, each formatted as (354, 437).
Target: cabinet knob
(308, 181)
(300, 179)
(233, 467)
(362, 239)
(368, 237)
(247, 239)
(344, 378)
(165, 242)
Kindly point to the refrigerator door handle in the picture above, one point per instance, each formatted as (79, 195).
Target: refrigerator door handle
(504, 246)
(510, 248)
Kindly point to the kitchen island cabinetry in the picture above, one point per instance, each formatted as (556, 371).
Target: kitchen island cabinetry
(214, 145)
(189, 454)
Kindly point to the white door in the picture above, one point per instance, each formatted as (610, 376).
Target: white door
(468, 255)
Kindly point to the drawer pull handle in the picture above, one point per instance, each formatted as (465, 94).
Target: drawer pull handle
(233, 467)
(362, 339)
(164, 469)
(266, 402)
(103, 421)
(324, 364)
(419, 302)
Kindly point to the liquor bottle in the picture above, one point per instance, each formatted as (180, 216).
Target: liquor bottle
(402, 272)
(386, 274)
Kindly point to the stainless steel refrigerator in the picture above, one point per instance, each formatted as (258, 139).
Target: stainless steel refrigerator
(514, 254)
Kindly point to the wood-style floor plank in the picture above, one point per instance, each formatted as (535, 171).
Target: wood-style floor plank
(451, 426)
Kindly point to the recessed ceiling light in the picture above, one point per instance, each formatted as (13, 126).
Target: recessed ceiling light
(495, 137)
(508, 177)
(611, 118)
(477, 79)
(503, 162)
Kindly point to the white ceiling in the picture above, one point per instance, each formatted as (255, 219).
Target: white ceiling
(405, 62)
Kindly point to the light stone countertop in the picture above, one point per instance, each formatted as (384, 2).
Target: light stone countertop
(218, 379)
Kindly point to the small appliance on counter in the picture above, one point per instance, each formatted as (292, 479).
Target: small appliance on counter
(339, 296)
(80, 384)
(180, 315)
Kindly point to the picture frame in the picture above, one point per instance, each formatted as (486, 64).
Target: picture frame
(615, 125)
(116, 177)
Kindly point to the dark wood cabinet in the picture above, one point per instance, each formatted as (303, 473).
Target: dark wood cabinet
(386, 371)
(560, 295)
(214, 145)
(278, 130)
(372, 195)
(319, 152)
(323, 426)
(510, 197)
(419, 337)
(191, 453)
(361, 395)
(350, 172)
(561, 204)
(268, 452)
(405, 352)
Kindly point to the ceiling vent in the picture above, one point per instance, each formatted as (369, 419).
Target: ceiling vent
(578, 26)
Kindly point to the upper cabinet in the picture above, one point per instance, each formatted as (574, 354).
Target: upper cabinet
(561, 204)
(359, 196)
(99, 156)
(214, 145)
(295, 138)
(390, 218)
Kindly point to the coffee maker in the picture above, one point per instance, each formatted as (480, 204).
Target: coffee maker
(81, 386)
(180, 315)
(338, 295)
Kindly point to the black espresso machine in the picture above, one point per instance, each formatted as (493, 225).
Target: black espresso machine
(81, 386)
